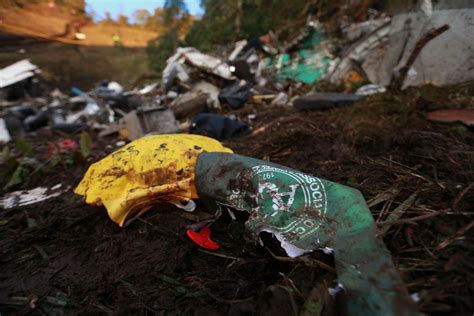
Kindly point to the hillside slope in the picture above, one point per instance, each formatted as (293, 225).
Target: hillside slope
(41, 21)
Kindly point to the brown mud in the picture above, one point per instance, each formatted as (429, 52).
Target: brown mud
(62, 256)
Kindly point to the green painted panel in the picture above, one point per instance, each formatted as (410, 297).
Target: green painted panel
(307, 213)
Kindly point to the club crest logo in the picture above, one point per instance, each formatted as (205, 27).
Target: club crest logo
(292, 201)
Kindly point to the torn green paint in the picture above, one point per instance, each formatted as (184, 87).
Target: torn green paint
(306, 213)
(308, 64)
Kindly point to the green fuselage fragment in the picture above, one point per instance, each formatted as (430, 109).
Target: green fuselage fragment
(307, 213)
(308, 63)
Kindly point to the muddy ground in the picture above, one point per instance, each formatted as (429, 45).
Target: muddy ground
(63, 65)
(64, 257)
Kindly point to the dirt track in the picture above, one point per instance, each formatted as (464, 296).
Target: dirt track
(76, 260)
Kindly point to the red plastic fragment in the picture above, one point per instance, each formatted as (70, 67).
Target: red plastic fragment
(465, 116)
(67, 144)
(62, 146)
(203, 238)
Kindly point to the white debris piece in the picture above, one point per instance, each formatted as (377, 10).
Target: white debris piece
(172, 94)
(149, 88)
(281, 99)
(174, 68)
(426, 7)
(80, 36)
(115, 87)
(370, 89)
(176, 65)
(291, 250)
(4, 134)
(239, 46)
(415, 297)
(333, 291)
(17, 72)
(22, 198)
(209, 63)
(327, 250)
(90, 109)
(211, 90)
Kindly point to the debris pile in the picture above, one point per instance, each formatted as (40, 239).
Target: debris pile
(436, 37)
(372, 55)
(151, 158)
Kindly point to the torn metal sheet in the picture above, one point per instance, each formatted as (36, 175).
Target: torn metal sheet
(447, 59)
(23, 198)
(358, 52)
(145, 172)
(137, 123)
(17, 72)
(355, 31)
(176, 66)
(155, 120)
(209, 63)
(306, 213)
(170, 71)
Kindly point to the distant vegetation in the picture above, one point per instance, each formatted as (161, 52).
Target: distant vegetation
(224, 21)
(175, 21)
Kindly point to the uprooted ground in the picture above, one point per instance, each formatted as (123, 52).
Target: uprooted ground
(62, 256)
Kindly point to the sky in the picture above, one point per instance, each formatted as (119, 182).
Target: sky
(127, 7)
